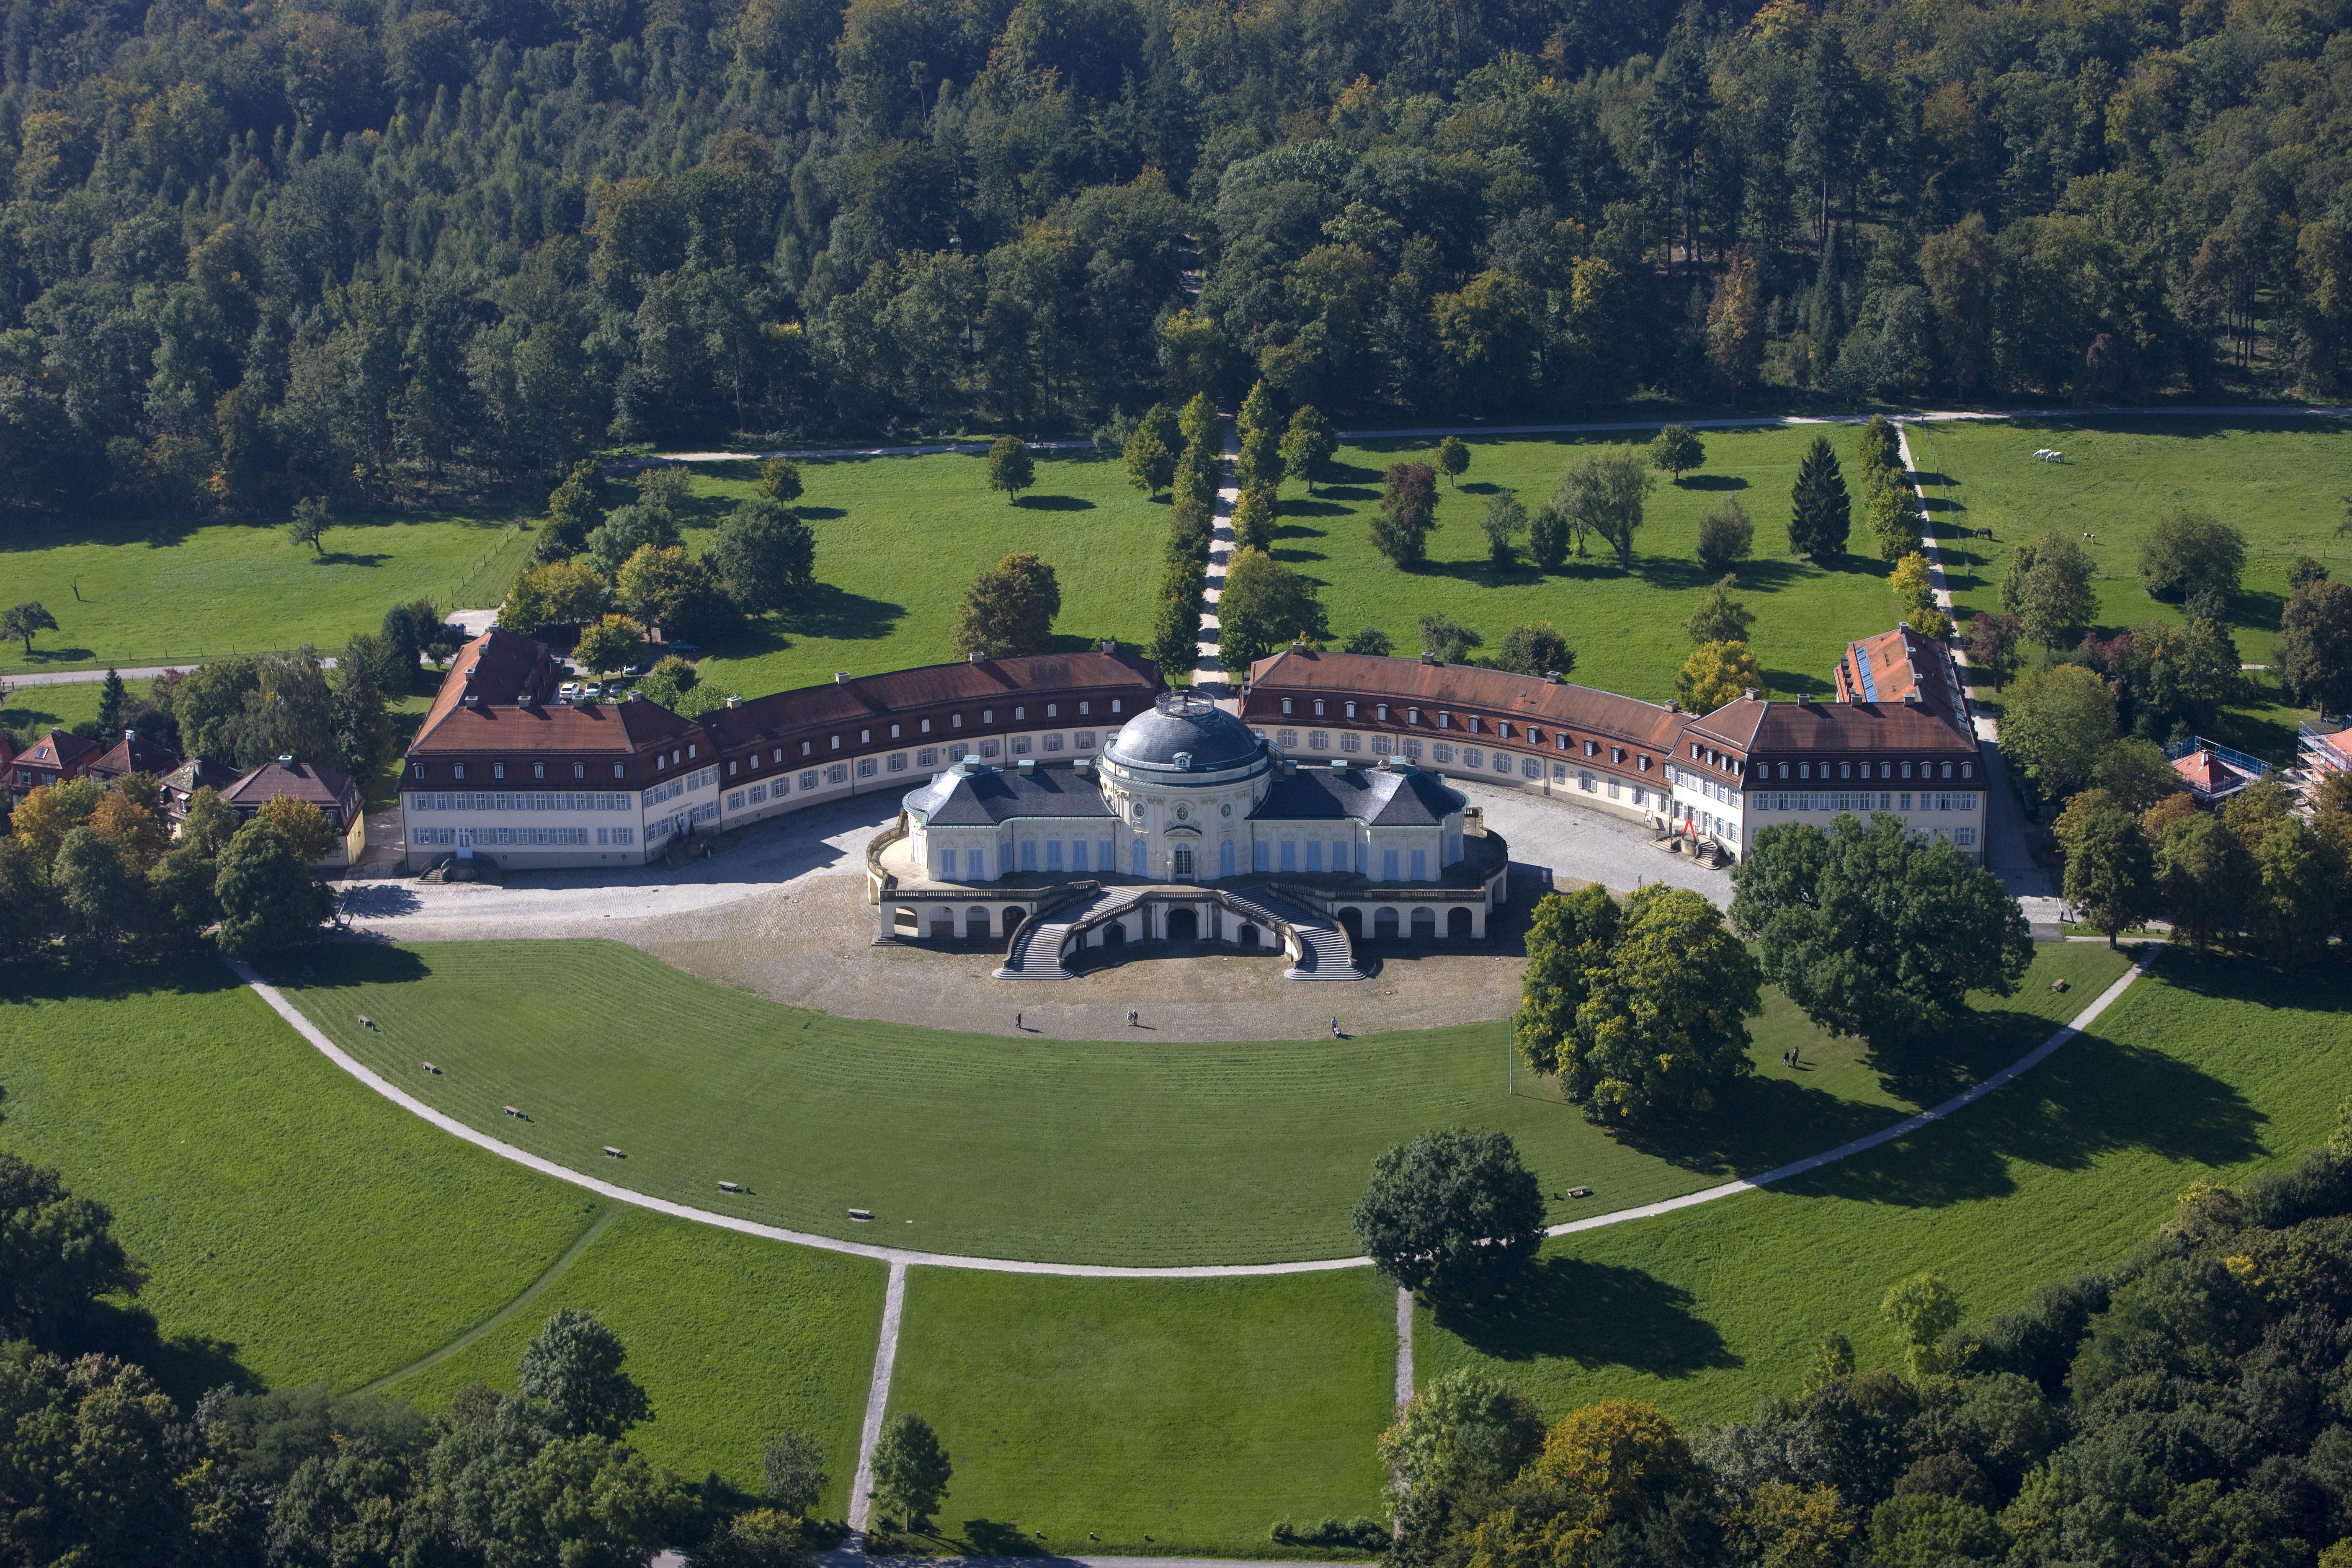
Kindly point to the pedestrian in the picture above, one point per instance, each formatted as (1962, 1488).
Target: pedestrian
(1335, 1029)
(1017, 1023)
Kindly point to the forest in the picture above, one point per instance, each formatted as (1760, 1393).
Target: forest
(377, 251)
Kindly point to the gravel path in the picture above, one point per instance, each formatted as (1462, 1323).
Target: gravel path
(901, 1256)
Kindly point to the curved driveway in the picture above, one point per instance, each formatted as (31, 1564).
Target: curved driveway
(900, 1257)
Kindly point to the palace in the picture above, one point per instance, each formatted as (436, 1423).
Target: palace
(1075, 787)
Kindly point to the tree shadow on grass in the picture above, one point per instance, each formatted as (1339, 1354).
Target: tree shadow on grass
(1796, 684)
(827, 612)
(345, 558)
(1711, 482)
(1318, 507)
(1595, 1314)
(1347, 474)
(1056, 503)
(339, 965)
(820, 513)
(1765, 576)
(1350, 493)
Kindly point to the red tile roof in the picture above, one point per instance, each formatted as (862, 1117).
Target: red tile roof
(1039, 677)
(2205, 773)
(614, 730)
(495, 668)
(135, 753)
(60, 748)
(1895, 666)
(1771, 729)
(1413, 682)
(304, 781)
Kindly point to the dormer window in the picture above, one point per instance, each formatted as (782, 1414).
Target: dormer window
(1351, 710)
(1804, 770)
(497, 770)
(987, 715)
(865, 737)
(1115, 705)
(1412, 715)
(458, 771)
(1382, 713)
(1318, 708)
(1285, 705)
(617, 773)
(538, 770)
(579, 770)
(1906, 770)
(1845, 769)
(417, 771)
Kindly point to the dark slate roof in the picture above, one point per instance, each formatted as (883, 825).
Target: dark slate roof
(135, 753)
(303, 781)
(961, 799)
(1181, 724)
(1377, 796)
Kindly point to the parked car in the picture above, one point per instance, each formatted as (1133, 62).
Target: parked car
(685, 650)
(572, 691)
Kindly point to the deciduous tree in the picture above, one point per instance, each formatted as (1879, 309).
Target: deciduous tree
(1604, 495)
(766, 554)
(309, 524)
(1675, 450)
(1716, 673)
(1307, 445)
(96, 892)
(1725, 537)
(1504, 520)
(1875, 932)
(1150, 464)
(1663, 1032)
(1009, 610)
(912, 1470)
(2055, 725)
(2048, 587)
(1453, 458)
(609, 642)
(2191, 552)
(1720, 618)
(24, 622)
(780, 480)
(1537, 649)
(573, 1370)
(2110, 875)
(1408, 513)
(1011, 468)
(1265, 604)
(2315, 647)
(555, 593)
(267, 900)
(1449, 1211)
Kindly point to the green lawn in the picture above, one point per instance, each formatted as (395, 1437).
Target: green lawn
(2204, 1065)
(898, 540)
(1087, 1151)
(296, 1225)
(2283, 482)
(735, 1340)
(29, 712)
(1158, 1416)
(300, 1229)
(170, 593)
(1625, 626)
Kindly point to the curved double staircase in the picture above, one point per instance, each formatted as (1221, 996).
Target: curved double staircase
(1318, 945)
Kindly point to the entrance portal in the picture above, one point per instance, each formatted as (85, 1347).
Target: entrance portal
(1457, 924)
(1183, 863)
(1184, 925)
(1115, 935)
(1249, 936)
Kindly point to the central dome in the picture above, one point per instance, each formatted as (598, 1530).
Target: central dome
(1185, 734)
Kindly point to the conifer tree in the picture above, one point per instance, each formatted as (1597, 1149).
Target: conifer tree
(1820, 511)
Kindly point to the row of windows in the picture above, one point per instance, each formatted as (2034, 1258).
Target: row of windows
(1886, 770)
(499, 770)
(1860, 800)
(1083, 740)
(1440, 752)
(521, 800)
(445, 836)
(1320, 740)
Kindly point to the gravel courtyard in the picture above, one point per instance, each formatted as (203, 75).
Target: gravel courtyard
(781, 912)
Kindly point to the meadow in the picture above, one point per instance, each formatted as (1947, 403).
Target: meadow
(898, 540)
(148, 593)
(1626, 625)
(2209, 1066)
(1149, 1417)
(29, 712)
(300, 1230)
(1072, 1150)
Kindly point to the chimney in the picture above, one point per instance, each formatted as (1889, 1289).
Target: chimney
(1551, 678)
(129, 736)
(473, 700)
(1673, 705)
(286, 761)
(1297, 645)
(1911, 698)
(734, 701)
(977, 657)
(1028, 766)
(1110, 644)
(840, 677)
(1751, 694)
(1427, 657)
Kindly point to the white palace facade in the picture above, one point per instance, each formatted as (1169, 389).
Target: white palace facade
(1028, 782)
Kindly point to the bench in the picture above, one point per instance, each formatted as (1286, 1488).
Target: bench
(730, 1187)
(431, 1068)
(510, 1110)
(612, 1153)
(861, 1215)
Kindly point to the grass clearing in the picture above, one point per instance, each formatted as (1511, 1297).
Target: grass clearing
(29, 712)
(148, 593)
(2204, 1065)
(1625, 626)
(295, 1225)
(2283, 482)
(898, 540)
(735, 1340)
(1158, 1416)
(1073, 1150)
(300, 1230)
